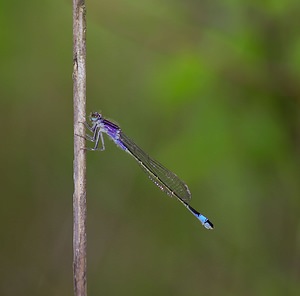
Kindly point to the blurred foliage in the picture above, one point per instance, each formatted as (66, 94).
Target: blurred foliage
(209, 88)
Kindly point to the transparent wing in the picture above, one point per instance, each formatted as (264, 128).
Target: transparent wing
(167, 181)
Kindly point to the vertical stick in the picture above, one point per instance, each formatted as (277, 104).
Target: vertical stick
(79, 196)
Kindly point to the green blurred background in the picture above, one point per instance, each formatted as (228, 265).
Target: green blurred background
(211, 90)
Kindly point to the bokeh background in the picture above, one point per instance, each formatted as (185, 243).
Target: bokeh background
(211, 90)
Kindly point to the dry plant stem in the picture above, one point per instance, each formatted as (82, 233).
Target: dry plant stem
(79, 196)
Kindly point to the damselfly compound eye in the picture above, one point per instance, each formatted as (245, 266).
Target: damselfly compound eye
(94, 116)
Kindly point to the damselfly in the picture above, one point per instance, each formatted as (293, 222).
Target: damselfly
(167, 181)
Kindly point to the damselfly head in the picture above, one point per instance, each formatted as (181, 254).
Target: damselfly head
(94, 116)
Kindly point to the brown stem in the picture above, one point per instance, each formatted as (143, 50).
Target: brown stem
(79, 174)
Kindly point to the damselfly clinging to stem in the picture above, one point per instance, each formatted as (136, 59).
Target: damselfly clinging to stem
(162, 177)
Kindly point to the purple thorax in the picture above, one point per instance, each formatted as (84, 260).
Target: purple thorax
(113, 131)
